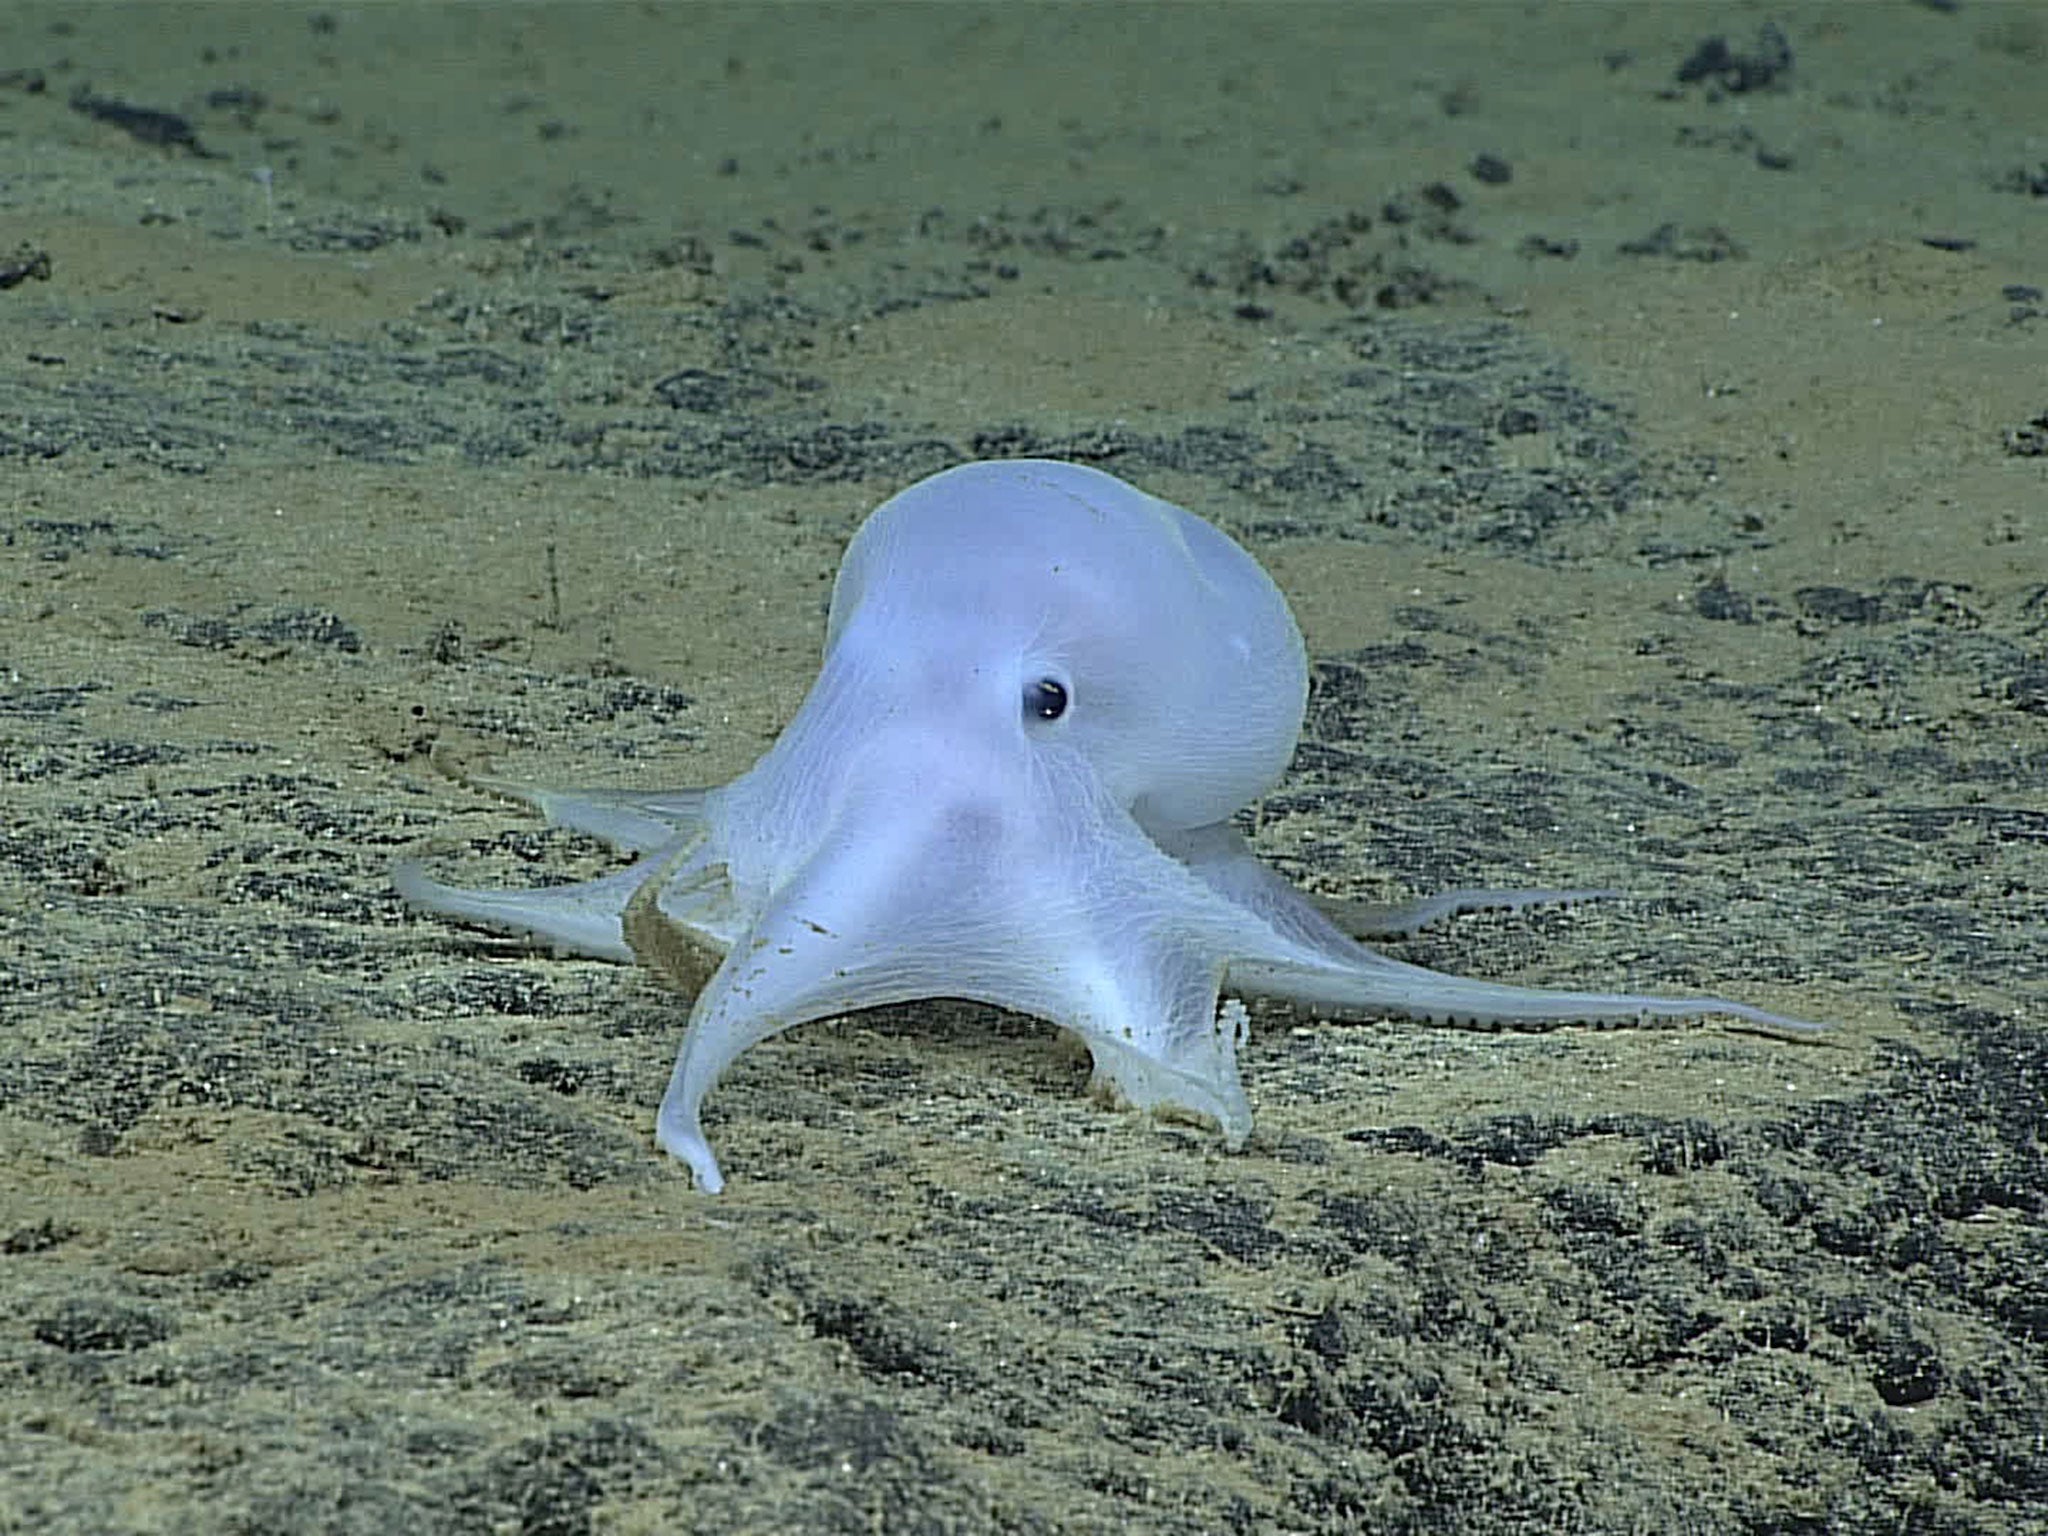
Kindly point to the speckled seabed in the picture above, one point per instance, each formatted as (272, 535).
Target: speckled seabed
(1658, 469)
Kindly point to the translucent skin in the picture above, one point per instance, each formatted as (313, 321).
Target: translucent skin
(1043, 695)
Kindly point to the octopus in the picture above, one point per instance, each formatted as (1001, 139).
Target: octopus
(1045, 697)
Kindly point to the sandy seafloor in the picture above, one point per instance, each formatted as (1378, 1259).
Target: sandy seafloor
(429, 388)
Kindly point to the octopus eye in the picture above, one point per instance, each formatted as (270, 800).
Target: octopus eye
(1046, 699)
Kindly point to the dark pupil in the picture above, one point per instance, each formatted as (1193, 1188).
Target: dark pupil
(1046, 699)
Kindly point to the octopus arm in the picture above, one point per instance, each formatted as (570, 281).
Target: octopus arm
(1374, 986)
